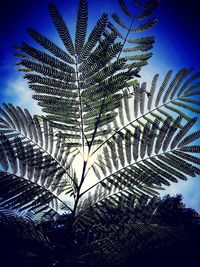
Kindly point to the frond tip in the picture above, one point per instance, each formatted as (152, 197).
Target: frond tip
(81, 26)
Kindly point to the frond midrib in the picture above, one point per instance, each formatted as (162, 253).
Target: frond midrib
(40, 186)
(46, 152)
(129, 165)
(134, 120)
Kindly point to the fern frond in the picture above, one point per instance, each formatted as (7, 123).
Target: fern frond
(49, 45)
(16, 192)
(142, 40)
(107, 158)
(136, 64)
(190, 149)
(33, 78)
(163, 86)
(171, 131)
(136, 101)
(171, 107)
(142, 97)
(3, 159)
(139, 48)
(168, 169)
(183, 166)
(153, 170)
(136, 143)
(39, 134)
(152, 136)
(48, 71)
(114, 30)
(179, 104)
(98, 52)
(189, 139)
(152, 91)
(61, 28)
(53, 91)
(144, 140)
(187, 157)
(113, 151)
(118, 20)
(190, 100)
(177, 79)
(162, 134)
(93, 38)
(103, 74)
(126, 105)
(167, 176)
(93, 101)
(142, 57)
(110, 53)
(29, 160)
(191, 88)
(128, 145)
(124, 8)
(183, 75)
(119, 142)
(81, 26)
(188, 82)
(46, 59)
(183, 132)
(96, 172)
(102, 165)
(145, 26)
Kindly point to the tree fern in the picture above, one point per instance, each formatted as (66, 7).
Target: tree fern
(105, 135)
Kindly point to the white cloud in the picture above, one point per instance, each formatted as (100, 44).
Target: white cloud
(19, 94)
(180, 188)
(190, 190)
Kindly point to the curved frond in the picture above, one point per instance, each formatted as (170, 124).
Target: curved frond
(81, 26)
(50, 46)
(154, 108)
(151, 167)
(94, 37)
(124, 8)
(46, 59)
(61, 28)
(35, 133)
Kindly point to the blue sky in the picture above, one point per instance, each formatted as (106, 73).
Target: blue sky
(177, 45)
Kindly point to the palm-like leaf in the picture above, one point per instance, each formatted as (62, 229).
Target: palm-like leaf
(152, 163)
(33, 180)
(135, 25)
(37, 157)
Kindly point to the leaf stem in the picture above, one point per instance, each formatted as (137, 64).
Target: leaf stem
(44, 188)
(129, 123)
(81, 105)
(117, 171)
(45, 151)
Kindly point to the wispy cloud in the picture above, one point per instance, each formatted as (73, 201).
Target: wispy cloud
(19, 94)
